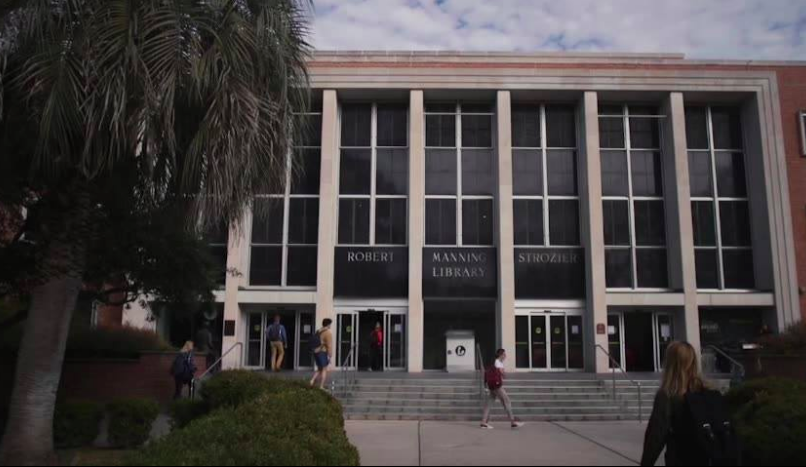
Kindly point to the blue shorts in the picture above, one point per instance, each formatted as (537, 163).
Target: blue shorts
(322, 360)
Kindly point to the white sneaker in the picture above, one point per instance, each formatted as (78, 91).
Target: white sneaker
(517, 425)
(486, 426)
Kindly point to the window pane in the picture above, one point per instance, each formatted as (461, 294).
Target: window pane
(440, 131)
(356, 172)
(477, 108)
(699, 167)
(611, 133)
(526, 126)
(302, 266)
(477, 172)
(393, 125)
(614, 174)
(707, 269)
(267, 226)
(477, 131)
(266, 265)
(522, 342)
(704, 222)
(697, 128)
(440, 172)
(356, 126)
(616, 223)
(650, 223)
(735, 223)
(727, 125)
(562, 172)
(306, 174)
(653, 273)
(730, 175)
(611, 109)
(440, 222)
(647, 178)
(390, 222)
(561, 126)
(477, 222)
(528, 219)
(303, 228)
(527, 172)
(393, 171)
(354, 221)
(618, 268)
(440, 107)
(644, 133)
(310, 131)
(564, 222)
(739, 269)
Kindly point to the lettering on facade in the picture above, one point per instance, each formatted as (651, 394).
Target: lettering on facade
(448, 265)
(370, 257)
(549, 258)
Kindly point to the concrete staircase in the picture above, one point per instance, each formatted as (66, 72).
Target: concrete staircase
(534, 398)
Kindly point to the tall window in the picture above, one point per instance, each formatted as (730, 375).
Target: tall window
(633, 205)
(373, 175)
(546, 199)
(459, 174)
(719, 200)
(285, 226)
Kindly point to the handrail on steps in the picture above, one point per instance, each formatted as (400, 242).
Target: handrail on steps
(214, 366)
(617, 365)
(347, 373)
(735, 364)
(480, 372)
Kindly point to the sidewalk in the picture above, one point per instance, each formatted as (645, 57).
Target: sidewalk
(442, 443)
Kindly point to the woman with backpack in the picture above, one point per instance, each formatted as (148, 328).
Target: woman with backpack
(183, 369)
(688, 419)
(494, 379)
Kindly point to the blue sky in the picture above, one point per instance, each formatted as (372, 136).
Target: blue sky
(729, 29)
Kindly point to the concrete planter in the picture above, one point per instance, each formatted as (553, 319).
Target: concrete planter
(765, 365)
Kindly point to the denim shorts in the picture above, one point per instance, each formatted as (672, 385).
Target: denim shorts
(322, 360)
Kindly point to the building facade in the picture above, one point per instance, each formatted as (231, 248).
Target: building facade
(562, 207)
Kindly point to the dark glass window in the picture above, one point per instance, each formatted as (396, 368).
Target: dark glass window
(477, 222)
(700, 176)
(302, 262)
(267, 226)
(644, 133)
(561, 126)
(522, 342)
(393, 171)
(564, 224)
(356, 125)
(727, 125)
(611, 110)
(393, 125)
(707, 269)
(615, 181)
(611, 133)
(440, 107)
(739, 269)
(702, 213)
(310, 130)
(653, 271)
(303, 221)
(440, 131)
(390, 221)
(528, 219)
(650, 223)
(477, 131)
(616, 223)
(477, 172)
(354, 221)
(527, 172)
(647, 178)
(306, 174)
(526, 126)
(478, 108)
(440, 221)
(356, 172)
(440, 172)
(618, 268)
(562, 172)
(730, 175)
(266, 265)
(735, 223)
(697, 127)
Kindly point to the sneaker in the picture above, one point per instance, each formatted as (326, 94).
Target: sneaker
(517, 425)
(486, 426)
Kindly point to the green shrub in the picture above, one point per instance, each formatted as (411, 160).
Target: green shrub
(130, 422)
(76, 424)
(233, 388)
(185, 411)
(114, 342)
(791, 341)
(295, 426)
(751, 390)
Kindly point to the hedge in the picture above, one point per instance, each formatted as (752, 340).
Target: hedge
(130, 422)
(234, 388)
(76, 424)
(185, 411)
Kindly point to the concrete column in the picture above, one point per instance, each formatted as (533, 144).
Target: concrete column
(678, 204)
(237, 244)
(327, 207)
(416, 230)
(505, 234)
(593, 231)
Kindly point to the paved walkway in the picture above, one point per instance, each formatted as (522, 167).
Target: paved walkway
(461, 444)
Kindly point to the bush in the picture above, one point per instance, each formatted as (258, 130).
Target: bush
(791, 341)
(295, 426)
(130, 422)
(746, 393)
(185, 411)
(114, 342)
(76, 424)
(234, 388)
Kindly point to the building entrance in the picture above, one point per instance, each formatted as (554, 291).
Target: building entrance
(638, 340)
(299, 328)
(550, 341)
(360, 348)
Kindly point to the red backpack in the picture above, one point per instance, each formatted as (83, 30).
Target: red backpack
(494, 378)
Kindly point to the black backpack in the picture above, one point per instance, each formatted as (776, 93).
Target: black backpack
(315, 342)
(708, 432)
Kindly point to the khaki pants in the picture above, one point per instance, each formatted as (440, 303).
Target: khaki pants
(277, 355)
(501, 395)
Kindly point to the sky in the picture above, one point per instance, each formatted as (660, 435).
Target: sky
(701, 29)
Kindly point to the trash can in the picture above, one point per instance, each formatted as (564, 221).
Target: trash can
(461, 351)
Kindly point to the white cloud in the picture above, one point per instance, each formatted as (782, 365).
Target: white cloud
(731, 29)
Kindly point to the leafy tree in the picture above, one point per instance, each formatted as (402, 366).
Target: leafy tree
(127, 126)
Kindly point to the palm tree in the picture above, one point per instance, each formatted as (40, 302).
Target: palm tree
(196, 97)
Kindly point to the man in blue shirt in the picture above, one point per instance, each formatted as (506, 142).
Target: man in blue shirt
(278, 339)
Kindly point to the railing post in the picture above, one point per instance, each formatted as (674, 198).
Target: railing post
(613, 372)
(640, 404)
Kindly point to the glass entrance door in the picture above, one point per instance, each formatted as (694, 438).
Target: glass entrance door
(664, 335)
(395, 342)
(347, 337)
(555, 342)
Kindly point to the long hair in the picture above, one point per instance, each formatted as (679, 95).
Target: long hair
(681, 373)
(188, 347)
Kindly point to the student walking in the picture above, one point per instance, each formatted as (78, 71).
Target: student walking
(277, 336)
(688, 419)
(322, 348)
(494, 378)
(183, 369)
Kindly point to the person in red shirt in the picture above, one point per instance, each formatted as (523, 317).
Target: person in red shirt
(376, 348)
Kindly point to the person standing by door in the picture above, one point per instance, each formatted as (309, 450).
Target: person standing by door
(278, 339)
(376, 348)
(494, 378)
(322, 347)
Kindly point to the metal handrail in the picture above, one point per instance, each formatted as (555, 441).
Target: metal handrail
(617, 364)
(346, 372)
(214, 365)
(480, 373)
(735, 363)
